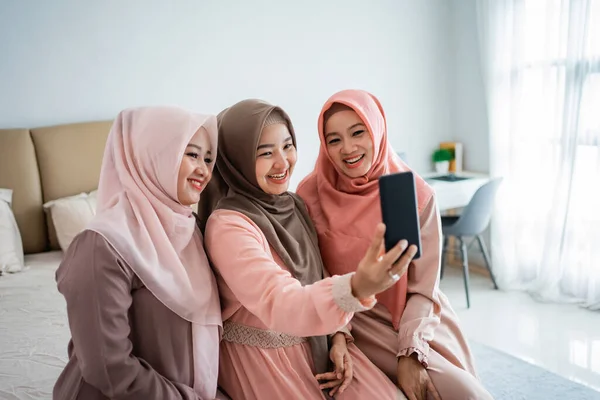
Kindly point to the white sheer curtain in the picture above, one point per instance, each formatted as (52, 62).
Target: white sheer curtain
(541, 64)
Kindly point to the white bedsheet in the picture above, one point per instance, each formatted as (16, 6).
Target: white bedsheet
(34, 331)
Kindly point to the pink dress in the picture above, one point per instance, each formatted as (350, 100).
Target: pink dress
(429, 326)
(267, 314)
(413, 317)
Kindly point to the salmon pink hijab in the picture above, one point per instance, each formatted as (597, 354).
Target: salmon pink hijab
(346, 210)
(140, 216)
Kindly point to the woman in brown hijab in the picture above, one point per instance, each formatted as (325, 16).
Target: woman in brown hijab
(278, 309)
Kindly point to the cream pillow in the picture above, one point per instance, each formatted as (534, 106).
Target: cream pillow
(11, 246)
(70, 215)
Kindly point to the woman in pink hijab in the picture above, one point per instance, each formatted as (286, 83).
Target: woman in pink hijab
(412, 334)
(141, 299)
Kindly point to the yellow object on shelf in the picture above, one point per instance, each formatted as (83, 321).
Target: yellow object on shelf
(456, 148)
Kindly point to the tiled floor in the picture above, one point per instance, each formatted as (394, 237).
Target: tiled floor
(564, 339)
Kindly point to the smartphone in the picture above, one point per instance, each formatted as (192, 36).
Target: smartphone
(399, 211)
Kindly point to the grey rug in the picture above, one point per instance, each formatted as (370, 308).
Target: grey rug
(508, 378)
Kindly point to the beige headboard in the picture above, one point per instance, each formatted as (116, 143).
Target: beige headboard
(48, 163)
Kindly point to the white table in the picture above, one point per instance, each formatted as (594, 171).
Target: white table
(458, 193)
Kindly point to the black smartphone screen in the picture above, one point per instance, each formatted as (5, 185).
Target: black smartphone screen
(399, 211)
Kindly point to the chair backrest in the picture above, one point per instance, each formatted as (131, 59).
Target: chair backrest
(477, 214)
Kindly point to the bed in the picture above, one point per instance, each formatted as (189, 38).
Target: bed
(34, 329)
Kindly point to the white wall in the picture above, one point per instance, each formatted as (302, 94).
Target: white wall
(469, 113)
(68, 61)
(469, 110)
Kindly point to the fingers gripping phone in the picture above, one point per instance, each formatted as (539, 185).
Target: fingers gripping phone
(399, 211)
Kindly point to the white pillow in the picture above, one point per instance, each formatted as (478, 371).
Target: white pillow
(11, 246)
(70, 215)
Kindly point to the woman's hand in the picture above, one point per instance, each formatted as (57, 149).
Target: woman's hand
(377, 272)
(414, 380)
(342, 376)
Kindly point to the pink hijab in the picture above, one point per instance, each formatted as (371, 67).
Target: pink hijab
(139, 215)
(345, 210)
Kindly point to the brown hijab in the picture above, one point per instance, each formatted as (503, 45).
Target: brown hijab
(283, 219)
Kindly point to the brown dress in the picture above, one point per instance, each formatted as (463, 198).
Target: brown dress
(125, 343)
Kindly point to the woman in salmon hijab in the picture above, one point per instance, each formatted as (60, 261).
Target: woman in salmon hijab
(142, 301)
(412, 334)
(280, 315)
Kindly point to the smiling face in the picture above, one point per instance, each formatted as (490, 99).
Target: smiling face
(194, 171)
(275, 159)
(349, 143)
